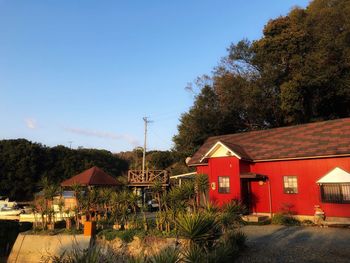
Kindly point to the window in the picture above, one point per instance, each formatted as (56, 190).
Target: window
(290, 184)
(224, 184)
(335, 193)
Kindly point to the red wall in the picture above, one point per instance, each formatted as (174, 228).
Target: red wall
(224, 166)
(203, 169)
(307, 171)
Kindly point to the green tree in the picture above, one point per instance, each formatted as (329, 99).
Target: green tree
(297, 72)
(199, 123)
(160, 160)
(23, 164)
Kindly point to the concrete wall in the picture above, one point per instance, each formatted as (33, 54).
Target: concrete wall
(33, 248)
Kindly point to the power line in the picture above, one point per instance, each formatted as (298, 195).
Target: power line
(160, 138)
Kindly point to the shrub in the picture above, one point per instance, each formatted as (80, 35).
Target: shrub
(235, 207)
(222, 253)
(167, 255)
(198, 228)
(228, 247)
(277, 219)
(235, 238)
(139, 259)
(125, 235)
(231, 215)
(60, 224)
(284, 219)
(211, 208)
(78, 255)
(194, 253)
(307, 223)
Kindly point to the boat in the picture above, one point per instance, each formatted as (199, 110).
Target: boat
(9, 211)
(8, 208)
(5, 202)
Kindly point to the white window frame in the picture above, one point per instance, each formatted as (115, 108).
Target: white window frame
(290, 184)
(224, 186)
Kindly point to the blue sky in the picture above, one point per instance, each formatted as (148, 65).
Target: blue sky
(87, 71)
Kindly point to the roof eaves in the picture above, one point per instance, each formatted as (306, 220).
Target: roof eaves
(280, 159)
(213, 148)
(301, 158)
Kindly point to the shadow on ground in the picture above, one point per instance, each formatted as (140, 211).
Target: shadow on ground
(296, 244)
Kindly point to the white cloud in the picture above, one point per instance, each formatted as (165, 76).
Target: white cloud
(102, 134)
(31, 123)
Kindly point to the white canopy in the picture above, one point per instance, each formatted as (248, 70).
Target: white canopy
(337, 175)
(182, 175)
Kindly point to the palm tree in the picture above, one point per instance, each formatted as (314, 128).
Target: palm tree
(133, 200)
(68, 218)
(189, 194)
(88, 201)
(198, 228)
(231, 214)
(50, 190)
(77, 209)
(157, 189)
(176, 199)
(120, 204)
(114, 205)
(104, 198)
(34, 210)
(202, 186)
(211, 208)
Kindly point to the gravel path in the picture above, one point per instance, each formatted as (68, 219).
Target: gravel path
(272, 243)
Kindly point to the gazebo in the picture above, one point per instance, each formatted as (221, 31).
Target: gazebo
(94, 176)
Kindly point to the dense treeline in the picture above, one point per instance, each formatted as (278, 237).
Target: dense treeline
(23, 164)
(298, 72)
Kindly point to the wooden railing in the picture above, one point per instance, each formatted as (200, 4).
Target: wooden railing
(136, 177)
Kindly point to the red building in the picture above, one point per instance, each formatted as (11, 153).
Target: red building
(299, 167)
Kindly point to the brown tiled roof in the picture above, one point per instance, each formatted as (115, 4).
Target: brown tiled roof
(90, 177)
(310, 140)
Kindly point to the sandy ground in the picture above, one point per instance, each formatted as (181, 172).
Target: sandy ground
(272, 243)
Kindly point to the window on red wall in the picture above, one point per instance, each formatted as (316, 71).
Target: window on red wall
(335, 193)
(290, 184)
(224, 184)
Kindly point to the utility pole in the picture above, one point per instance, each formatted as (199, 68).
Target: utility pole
(145, 119)
(70, 144)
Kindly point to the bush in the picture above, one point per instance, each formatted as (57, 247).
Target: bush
(125, 235)
(60, 224)
(198, 228)
(78, 255)
(167, 255)
(235, 208)
(236, 237)
(260, 223)
(285, 219)
(194, 253)
(223, 253)
(307, 223)
(228, 247)
(231, 215)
